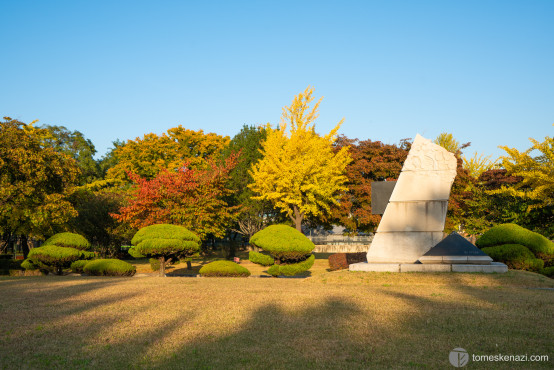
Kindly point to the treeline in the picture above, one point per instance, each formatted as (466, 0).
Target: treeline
(223, 187)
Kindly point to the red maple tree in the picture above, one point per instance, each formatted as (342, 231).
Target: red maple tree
(193, 198)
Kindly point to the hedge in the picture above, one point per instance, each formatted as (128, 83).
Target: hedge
(68, 240)
(340, 261)
(109, 267)
(224, 268)
(293, 268)
(283, 242)
(260, 258)
(515, 256)
(514, 234)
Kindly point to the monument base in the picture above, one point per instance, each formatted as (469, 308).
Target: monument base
(496, 267)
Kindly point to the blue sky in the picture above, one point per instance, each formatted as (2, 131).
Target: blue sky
(482, 70)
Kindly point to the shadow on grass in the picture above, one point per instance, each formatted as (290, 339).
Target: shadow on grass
(64, 322)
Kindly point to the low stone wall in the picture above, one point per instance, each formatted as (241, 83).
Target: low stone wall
(342, 248)
(341, 243)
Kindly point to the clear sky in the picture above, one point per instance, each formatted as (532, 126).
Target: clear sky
(482, 70)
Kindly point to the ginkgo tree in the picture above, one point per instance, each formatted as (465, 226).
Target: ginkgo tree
(536, 167)
(300, 173)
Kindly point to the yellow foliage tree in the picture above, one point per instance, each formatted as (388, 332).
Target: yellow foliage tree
(537, 173)
(478, 164)
(149, 155)
(300, 173)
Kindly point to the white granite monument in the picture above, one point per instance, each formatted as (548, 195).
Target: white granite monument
(413, 221)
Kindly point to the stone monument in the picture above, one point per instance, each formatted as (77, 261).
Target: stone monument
(413, 221)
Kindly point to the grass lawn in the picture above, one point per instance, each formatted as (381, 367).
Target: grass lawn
(336, 319)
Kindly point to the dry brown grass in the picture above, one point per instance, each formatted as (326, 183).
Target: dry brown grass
(329, 320)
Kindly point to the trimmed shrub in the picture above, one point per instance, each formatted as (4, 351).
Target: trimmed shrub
(224, 268)
(133, 253)
(548, 271)
(88, 255)
(109, 267)
(283, 242)
(164, 231)
(260, 258)
(29, 265)
(154, 264)
(514, 234)
(292, 269)
(54, 257)
(340, 261)
(515, 256)
(68, 240)
(164, 242)
(78, 266)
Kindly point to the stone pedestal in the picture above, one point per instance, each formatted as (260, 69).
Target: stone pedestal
(493, 267)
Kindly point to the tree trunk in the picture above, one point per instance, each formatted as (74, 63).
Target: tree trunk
(297, 218)
(24, 246)
(189, 265)
(162, 266)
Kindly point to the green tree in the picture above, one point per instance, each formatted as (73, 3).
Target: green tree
(300, 173)
(35, 181)
(75, 145)
(254, 214)
(94, 203)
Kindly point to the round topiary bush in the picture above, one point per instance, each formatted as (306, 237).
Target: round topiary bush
(165, 242)
(283, 242)
(78, 266)
(515, 234)
(109, 267)
(515, 256)
(288, 246)
(224, 268)
(260, 258)
(54, 258)
(68, 240)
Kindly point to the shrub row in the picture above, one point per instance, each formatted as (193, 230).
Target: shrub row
(340, 261)
(224, 269)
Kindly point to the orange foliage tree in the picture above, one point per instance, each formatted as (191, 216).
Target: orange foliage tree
(193, 198)
(371, 161)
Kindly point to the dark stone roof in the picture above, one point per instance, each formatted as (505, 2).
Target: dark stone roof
(455, 245)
